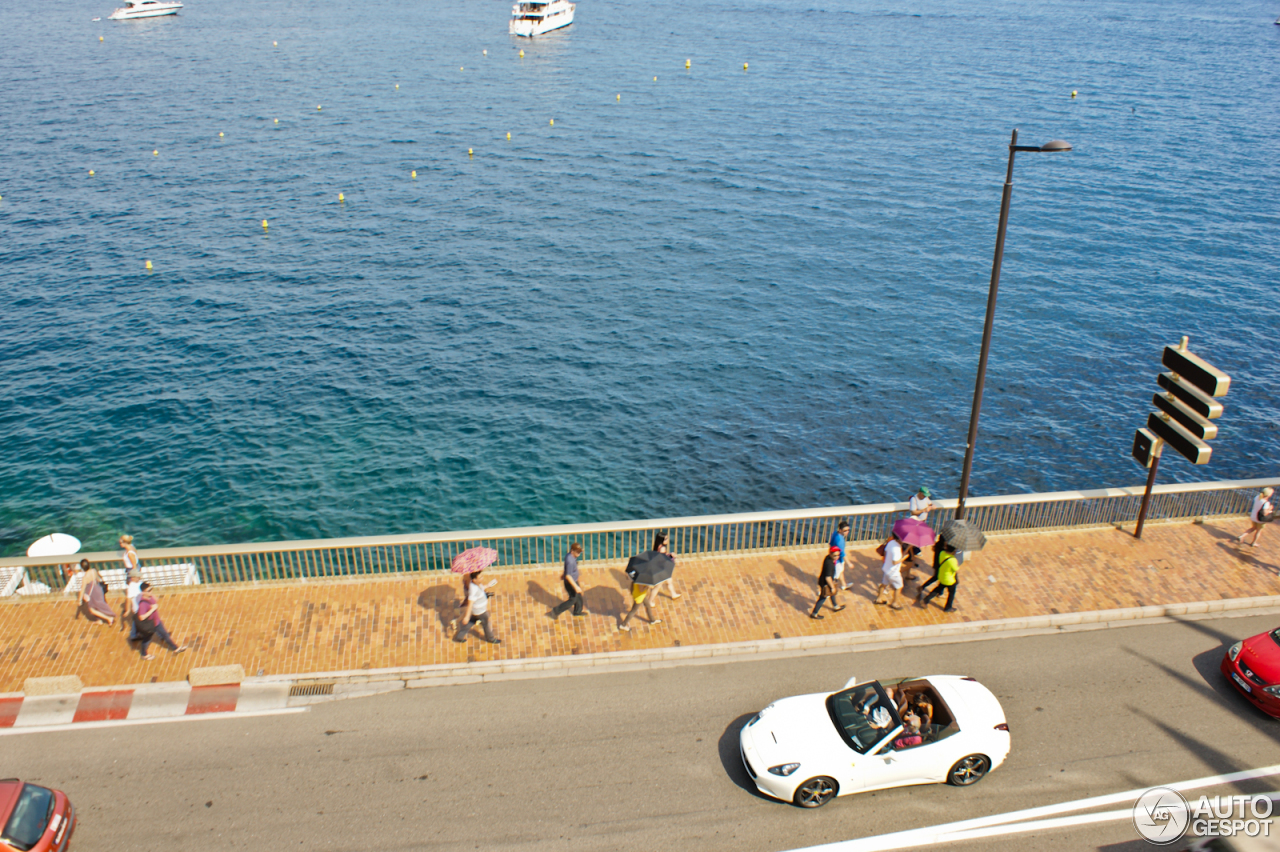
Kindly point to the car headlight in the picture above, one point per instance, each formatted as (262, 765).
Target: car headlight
(1272, 690)
(759, 715)
(1234, 651)
(784, 769)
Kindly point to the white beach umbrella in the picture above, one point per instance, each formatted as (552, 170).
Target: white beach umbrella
(54, 544)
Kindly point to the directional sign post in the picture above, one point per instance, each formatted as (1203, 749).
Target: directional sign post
(1184, 416)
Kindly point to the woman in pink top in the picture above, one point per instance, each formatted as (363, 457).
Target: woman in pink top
(150, 626)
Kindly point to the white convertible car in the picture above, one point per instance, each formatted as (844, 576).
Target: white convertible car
(810, 748)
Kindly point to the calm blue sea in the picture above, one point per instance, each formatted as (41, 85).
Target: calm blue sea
(725, 290)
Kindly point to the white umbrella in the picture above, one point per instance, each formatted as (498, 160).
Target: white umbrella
(55, 544)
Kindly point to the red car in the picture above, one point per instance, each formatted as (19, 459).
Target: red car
(35, 818)
(1253, 667)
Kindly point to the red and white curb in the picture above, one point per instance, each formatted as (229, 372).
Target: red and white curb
(20, 713)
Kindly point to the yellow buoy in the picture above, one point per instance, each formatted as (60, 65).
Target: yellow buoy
(275, 44)
(619, 96)
(264, 224)
(155, 153)
(468, 152)
(341, 198)
(99, 38)
(219, 134)
(318, 107)
(462, 68)
(276, 120)
(553, 122)
(414, 174)
(485, 52)
(148, 265)
(655, 79)
(522, 54)
(744, 66)
(687, 63)
(397, 85)
(90, 172)
(508, 135)
(1073, 93)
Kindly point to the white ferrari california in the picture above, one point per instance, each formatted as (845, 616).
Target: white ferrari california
(808, 749)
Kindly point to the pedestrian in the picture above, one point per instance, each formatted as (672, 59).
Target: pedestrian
(130, 555)
(947, 579)
(891, 572)
(827, 583)
(571, 584)
(660, 544)
(93, 596)
(149, 624)
(937, 556)
(641, 594)
(129, 612)
(1260, 515)
(840, 541)
(920, 504)
(475, 610)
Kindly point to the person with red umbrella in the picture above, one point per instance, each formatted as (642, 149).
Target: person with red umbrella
(469, 563)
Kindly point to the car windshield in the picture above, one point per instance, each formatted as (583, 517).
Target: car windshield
(863, 715)
(1275, 635)
(30, 817)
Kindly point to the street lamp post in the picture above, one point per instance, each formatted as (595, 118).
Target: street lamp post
(1049, 147)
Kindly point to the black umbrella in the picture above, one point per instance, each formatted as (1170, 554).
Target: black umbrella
(650, 568)
(962, 535)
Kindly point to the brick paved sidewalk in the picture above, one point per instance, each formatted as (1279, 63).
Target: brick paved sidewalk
(376, 623)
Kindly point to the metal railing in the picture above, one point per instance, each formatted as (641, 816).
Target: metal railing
(755, 532)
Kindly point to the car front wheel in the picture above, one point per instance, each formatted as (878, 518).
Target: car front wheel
(969, 770)
(815, 792)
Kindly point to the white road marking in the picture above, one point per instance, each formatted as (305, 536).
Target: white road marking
(113, 723)
(998, 824)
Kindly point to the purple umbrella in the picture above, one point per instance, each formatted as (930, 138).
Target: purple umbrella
(915, 533)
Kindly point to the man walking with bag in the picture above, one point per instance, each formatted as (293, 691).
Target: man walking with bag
(571, 585)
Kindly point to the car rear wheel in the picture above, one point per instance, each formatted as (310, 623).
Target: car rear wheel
(815, 792)
(969, 770)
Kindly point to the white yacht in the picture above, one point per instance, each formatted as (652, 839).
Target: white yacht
(145, 9)
(536, 17)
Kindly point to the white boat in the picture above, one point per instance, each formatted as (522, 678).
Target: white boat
(145, 9)
(540, 16)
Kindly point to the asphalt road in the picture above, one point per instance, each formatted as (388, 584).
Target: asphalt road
(649, 760)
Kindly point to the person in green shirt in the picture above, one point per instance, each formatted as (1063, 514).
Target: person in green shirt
(947, 579)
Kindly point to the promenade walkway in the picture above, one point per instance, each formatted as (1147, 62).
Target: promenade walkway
(402, 621)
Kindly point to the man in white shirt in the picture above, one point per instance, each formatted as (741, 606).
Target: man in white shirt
(132, 592)
(891, 572)
(921, 504)
(1259, 514)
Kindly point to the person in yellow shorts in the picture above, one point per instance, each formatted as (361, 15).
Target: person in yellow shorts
(640, 594)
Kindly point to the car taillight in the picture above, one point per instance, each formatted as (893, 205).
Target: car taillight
(1003, 726)
(970, 679)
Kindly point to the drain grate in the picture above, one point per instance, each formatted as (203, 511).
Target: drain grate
(311, 689)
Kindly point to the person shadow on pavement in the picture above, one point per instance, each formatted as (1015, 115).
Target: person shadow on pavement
(541, 595)
(442, 599)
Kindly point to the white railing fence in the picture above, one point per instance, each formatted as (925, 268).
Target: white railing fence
(754, 532)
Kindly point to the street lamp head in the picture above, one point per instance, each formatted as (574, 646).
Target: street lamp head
(1055, 145)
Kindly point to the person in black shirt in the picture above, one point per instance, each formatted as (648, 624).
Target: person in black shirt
(827, 583)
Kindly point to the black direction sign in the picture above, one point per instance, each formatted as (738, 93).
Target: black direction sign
(1196, 370)
(1202, 428)
(1191, 396)
(1189, 446)
(1146, 447)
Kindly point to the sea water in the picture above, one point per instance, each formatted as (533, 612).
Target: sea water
(756, 283)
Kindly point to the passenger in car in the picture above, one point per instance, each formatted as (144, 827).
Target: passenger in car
(910, 731)
(923, 708)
